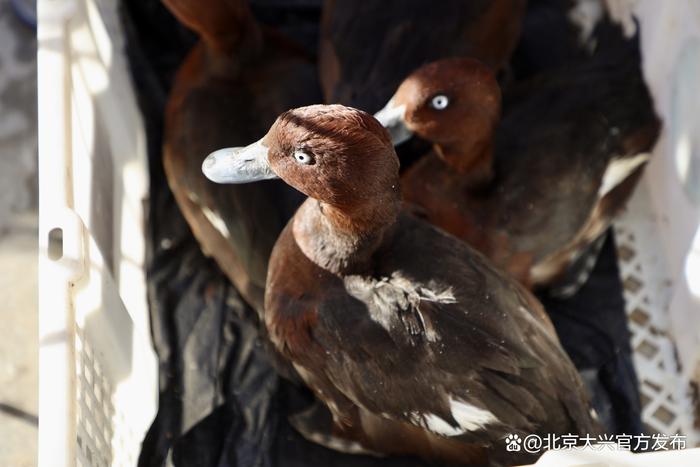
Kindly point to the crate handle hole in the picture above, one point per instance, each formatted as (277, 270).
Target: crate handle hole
(56, 244)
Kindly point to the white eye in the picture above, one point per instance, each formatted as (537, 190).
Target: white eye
(439, 102)
(302, 157)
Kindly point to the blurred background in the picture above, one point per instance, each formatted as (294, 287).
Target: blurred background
(18, 234)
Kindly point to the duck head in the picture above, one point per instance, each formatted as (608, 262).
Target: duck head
(335, 154)
(454, 103)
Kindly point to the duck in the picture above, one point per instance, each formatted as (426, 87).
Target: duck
(535, 189)
(367, 48)
(412, 340)
(590, 318)
(228, 91)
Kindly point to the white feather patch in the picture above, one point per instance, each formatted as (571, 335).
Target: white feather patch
(468, 418)
(471, 417)
(622, 12)
(618, 170)
(216, 221)
(441, 427)
(586, 14)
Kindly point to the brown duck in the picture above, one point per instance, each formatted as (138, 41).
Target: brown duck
(534, 190)
(229, 91)
(413, 340)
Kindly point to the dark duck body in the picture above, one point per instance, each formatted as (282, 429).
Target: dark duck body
(229, 90)
(367, 48)
(531, 191)
(413, 340)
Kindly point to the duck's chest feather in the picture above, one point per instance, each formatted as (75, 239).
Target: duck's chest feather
(531, 208)
(430, 336)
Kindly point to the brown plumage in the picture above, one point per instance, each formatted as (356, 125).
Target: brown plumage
(229, 90)
(534, 190)
(414, 342)
(368, 47)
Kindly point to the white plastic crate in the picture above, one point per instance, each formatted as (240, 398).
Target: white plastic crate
(98, 372)
(659, 234)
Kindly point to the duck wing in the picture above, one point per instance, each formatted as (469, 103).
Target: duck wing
(462, 355)
(580, 158)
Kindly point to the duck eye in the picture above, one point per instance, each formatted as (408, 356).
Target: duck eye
(439, 102)
(302, 157)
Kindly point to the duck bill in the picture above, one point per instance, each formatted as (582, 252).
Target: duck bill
(238, 165)
(392, 117)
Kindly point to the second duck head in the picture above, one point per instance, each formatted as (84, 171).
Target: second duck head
(455, 104)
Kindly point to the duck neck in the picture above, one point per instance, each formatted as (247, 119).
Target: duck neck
(472, 159)
(230, 31)
(342, 239)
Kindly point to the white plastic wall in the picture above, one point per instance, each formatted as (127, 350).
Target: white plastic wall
(670, 38)
(98, 372)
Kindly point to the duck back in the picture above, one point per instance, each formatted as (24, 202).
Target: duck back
(594, 129)
(367, 48)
